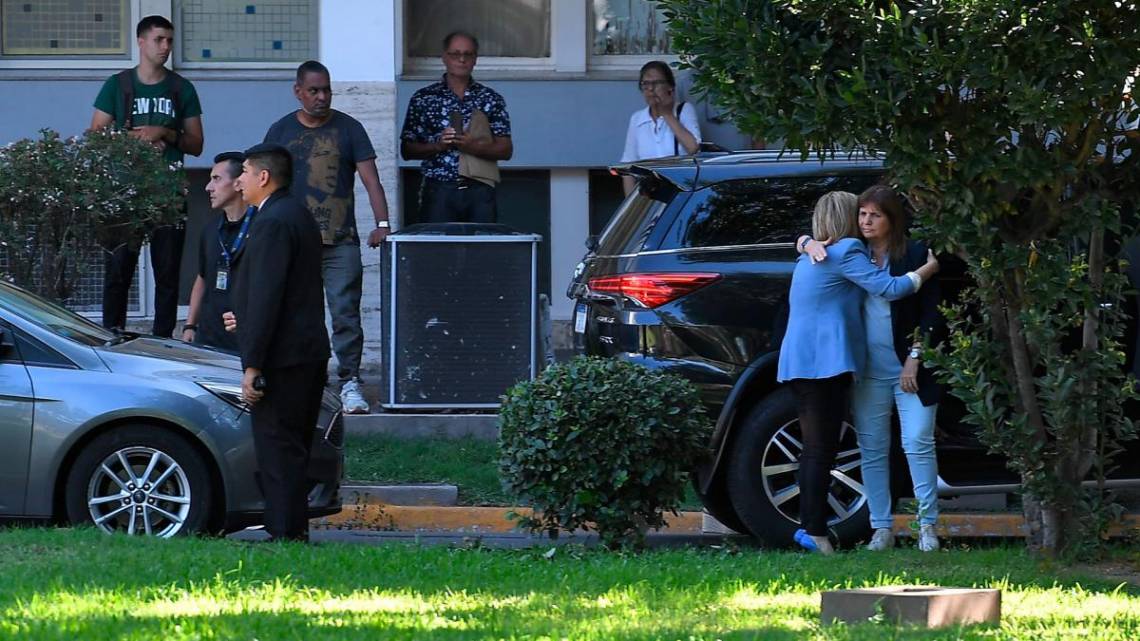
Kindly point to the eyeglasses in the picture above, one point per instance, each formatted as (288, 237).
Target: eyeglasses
(461, 55)
(651, 84)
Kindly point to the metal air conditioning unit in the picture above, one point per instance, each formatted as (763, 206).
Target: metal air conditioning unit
(459, 314)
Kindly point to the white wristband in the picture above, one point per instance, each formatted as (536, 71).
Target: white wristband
(382, 224)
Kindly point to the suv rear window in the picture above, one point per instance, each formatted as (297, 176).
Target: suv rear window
(631, 224)
(757, 211)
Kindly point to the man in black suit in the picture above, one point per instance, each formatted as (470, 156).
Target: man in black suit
(278, 302)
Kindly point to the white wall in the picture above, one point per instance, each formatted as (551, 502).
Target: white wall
(357, 40)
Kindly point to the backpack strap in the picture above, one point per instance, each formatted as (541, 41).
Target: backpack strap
(676, 146)
(127, 89)
(176, 83)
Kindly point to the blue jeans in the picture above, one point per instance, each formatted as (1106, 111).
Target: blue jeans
(872, 402)
(344, 279)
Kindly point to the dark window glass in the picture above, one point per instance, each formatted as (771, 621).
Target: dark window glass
(768, 210)
(635, 218)
(605, 197)
(34, 352)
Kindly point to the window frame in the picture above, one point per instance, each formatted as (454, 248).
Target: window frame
(433, 66)
(84, 61)
(179, 62)
(618, 61)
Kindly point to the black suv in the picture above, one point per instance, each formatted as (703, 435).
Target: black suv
(691, 275)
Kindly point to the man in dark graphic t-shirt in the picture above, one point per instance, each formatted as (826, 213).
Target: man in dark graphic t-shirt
(164, 110)
(329, 148)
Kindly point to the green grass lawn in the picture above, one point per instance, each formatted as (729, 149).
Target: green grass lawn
(81, 585)
(469, 463)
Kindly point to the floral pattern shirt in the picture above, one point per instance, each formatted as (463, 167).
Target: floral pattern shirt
(427, 117)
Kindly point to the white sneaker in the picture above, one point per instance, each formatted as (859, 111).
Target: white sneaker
(882, 539)
(350, 398)
(927, 539)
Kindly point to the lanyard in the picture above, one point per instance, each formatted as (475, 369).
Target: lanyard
(230, 253)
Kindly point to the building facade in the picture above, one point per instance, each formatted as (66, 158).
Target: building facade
(567, 69)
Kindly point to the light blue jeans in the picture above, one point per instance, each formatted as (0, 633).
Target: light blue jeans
(872, 402)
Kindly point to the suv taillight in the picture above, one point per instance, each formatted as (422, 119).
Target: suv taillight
(652, 290)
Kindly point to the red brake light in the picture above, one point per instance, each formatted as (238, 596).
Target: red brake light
(652, 290)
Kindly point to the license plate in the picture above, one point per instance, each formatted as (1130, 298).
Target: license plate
(580, 313)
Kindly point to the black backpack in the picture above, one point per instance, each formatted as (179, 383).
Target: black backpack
(127, 88)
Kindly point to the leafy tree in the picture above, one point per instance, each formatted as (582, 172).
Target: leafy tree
(62, 198)
(1008, 125)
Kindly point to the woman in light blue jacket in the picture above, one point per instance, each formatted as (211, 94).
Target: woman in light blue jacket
(825, 346)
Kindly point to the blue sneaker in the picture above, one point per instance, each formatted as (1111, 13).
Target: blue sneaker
(811, 543)
(801, 537)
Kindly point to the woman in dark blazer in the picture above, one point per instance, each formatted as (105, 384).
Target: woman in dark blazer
(825, 344)
(895, 377)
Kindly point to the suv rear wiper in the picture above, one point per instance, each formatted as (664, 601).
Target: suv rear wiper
(121, 336)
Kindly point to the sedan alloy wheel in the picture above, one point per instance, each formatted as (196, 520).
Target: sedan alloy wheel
(139, 490)
(140, 480)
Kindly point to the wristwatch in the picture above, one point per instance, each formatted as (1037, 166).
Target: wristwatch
(915, 353)
(804, 242)
(190, 326)
(382, 224)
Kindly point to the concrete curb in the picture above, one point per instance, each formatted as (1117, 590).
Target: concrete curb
(995, 525)
(440, 494)
(479, 426)
(494, 520)
(468, 520)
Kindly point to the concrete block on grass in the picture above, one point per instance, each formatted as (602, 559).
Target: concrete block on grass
(926, 606)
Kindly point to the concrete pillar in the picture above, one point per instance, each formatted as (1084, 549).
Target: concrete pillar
(569, 227)
(357, 44)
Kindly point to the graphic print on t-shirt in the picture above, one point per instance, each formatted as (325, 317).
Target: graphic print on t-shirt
(150, 107)
(323, 162)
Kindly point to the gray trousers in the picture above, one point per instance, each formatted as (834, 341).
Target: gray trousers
(344, 278)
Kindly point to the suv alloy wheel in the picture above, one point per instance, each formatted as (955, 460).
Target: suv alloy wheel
(763, 476)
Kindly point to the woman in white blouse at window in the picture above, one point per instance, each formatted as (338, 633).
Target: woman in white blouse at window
(661, 129)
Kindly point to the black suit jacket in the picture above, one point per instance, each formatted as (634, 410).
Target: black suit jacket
(278, 296)
(918, 312)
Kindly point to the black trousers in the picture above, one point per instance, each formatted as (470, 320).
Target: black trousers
(468, 201)
(119, 269)
(822, 405)
(283, 424)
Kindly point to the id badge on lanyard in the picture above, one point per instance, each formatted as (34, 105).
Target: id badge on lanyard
(229, 254)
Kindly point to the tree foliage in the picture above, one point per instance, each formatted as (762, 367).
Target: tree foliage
(61, 199)
(1009, 126)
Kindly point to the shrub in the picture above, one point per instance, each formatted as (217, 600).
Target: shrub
(58, 197)
(603, 444)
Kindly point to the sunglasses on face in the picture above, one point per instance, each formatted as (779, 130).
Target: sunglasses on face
(461, 55)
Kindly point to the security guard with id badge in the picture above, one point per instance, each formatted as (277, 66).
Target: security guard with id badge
(219, 248)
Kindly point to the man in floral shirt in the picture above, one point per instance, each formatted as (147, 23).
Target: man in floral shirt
(429, 135)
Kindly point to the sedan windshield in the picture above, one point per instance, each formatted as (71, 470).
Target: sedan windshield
(53, 317)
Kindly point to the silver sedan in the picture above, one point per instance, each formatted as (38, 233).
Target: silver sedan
(132, 433)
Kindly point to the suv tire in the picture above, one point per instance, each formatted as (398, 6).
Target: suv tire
(764, 469)
(169, 493)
